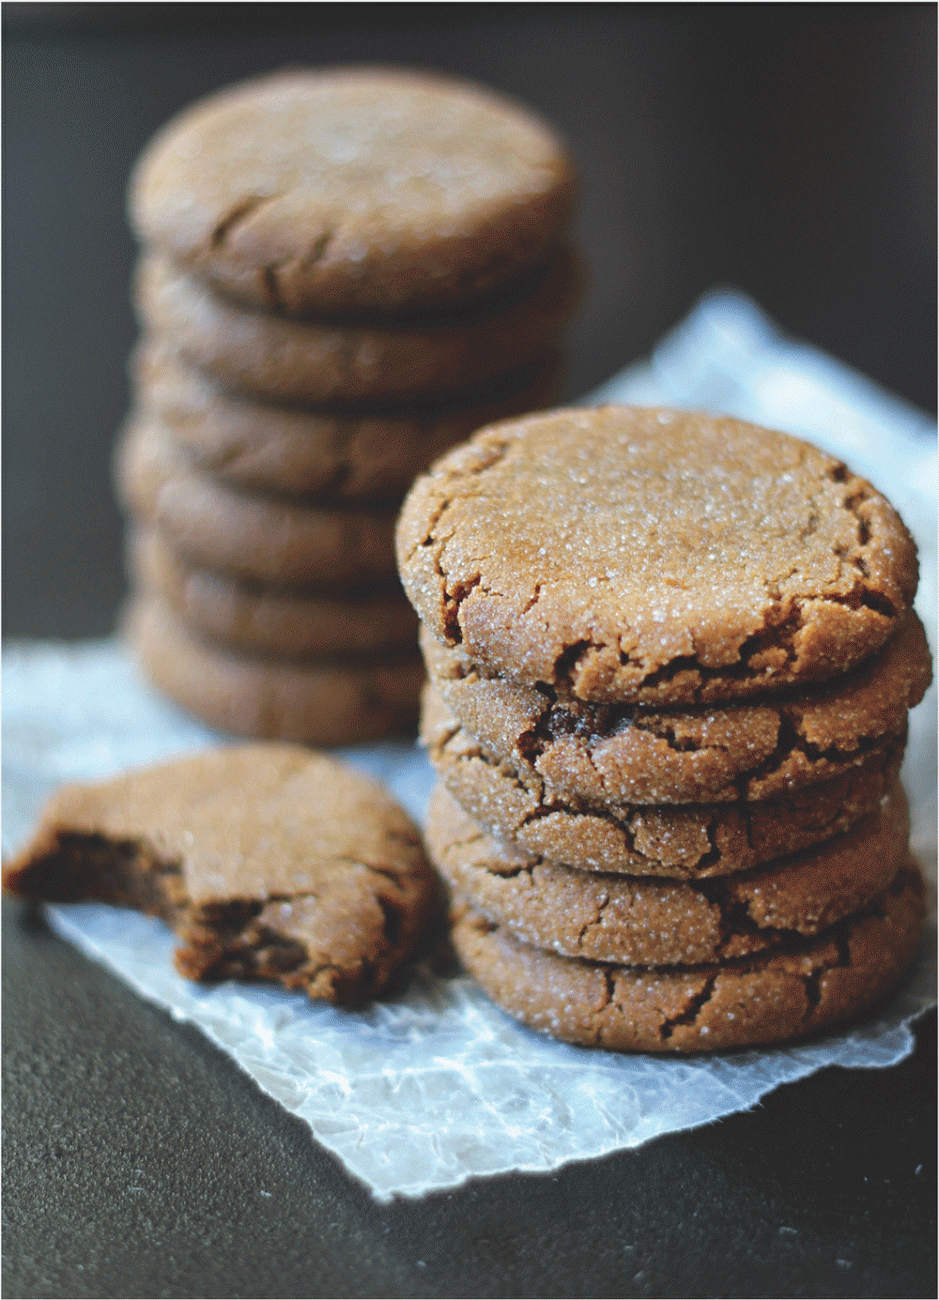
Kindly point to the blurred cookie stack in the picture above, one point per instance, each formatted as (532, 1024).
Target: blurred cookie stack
(670, 658)
(344, 273)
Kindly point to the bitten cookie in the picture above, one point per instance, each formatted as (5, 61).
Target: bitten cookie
(684, 841)
(354, 189)
(372, 455)
(263, 620)
(268, 861)
(340, 701)
(614, 754)
(266, 540)
(805, 986)
(640, 922)
(652, 556)
(321, 361)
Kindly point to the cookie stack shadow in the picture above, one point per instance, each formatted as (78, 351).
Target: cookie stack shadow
(670, 662)
(343, 274)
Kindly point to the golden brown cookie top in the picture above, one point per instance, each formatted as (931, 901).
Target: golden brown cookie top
(632, 554)
(352, 189)
(251, 821)
(269, 862)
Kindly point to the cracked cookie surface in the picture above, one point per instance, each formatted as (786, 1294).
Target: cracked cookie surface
(639, 922)
(322, 361)
(342, 700)
(269, 861)
(268, 540)
(807, 985)
(265, 620)
(633, 555)
(682, 841)
(357, 456)
(607, 754)
(354, 189)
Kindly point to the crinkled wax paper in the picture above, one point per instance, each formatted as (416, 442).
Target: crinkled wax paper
(435, 1086)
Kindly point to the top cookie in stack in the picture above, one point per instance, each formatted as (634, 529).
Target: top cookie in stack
(670, 659)
(344, 273)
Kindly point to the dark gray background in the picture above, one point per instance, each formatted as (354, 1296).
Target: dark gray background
(788, 150)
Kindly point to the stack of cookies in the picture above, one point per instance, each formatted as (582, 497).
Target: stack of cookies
(670, 660)
(344, 273)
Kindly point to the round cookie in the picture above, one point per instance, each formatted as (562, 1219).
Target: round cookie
(353, 189)
(639, 922)
(356, 456)
(317, 702)
(269, 861)
(784, 994)
(265, 620)
(681, 841)
(267, 540)
(615, 754)
(632, 555)
(357, 362)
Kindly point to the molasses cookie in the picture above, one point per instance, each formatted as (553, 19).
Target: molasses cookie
(683, 841)
(788, 992)
(368, 455)
(627, 555)
(264, 620)
(267, 540)
(354, 190)
(615, 754)
(640, 922)
(356, 362)
(339, 701)
(269, 862)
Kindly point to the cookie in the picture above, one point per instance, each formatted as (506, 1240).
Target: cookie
(268, 861)
(615, 754)
(334, 363)
(354, 190)
(267, 540)
(267, 621)
(631, 555)
(787, 993)
(682, 841)
(369, 455)
(638, 922)
(339, 701)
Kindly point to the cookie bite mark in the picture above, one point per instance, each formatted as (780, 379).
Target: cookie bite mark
(268, 861)
(68, 867)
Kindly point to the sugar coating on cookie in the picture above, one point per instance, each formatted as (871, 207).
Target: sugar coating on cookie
(284, 542)
(613, 754)
(642, 922)
(371, 455)
(682, 841)
(338, 700)
(349, 363)
(649, 555)
(797, 990)
(269, 861)
(354, 189)
(267, 620)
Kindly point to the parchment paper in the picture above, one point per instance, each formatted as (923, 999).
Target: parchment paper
(427, 1090)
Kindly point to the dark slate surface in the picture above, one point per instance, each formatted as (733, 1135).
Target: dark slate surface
(789, 150)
